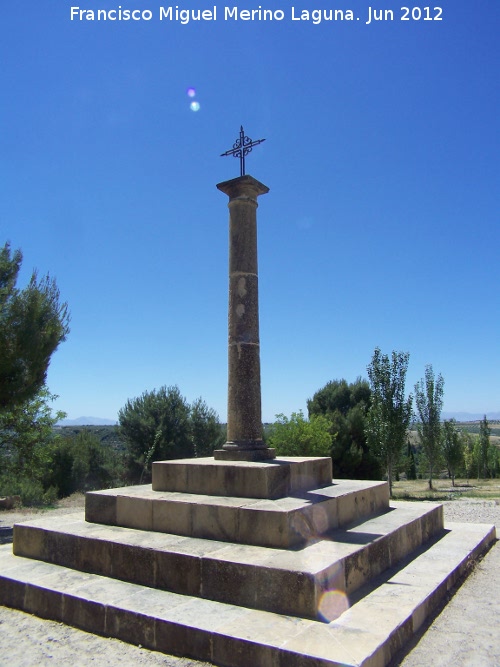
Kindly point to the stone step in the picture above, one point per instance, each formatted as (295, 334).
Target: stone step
(280, 523)
(276, 478)
(366, 635)
(292, 582)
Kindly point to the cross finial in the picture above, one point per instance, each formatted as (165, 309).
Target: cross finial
(242, 147)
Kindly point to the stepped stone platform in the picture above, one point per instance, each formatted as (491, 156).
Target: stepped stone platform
(280, 523)
(304, 572)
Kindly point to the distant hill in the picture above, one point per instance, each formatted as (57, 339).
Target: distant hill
(87, 421)
(470, 416)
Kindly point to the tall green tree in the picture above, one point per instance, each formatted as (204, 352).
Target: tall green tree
(484, 444)
(452, 448)
(390, 412)
(429, 401)
(33, 322)
(345, 405)
(297, 436)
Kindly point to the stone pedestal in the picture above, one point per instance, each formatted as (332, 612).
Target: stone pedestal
(326, 576)
(244, 420)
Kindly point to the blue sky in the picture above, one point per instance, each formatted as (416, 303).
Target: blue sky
(381, 227)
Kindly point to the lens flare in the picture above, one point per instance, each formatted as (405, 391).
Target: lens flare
(194, 106)
(191, 92)
(332, 605)
(311, 525)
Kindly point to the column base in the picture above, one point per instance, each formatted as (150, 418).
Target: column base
(240, 454)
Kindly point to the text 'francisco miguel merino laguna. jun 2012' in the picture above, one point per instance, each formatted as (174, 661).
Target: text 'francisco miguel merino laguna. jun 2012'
(174, 13)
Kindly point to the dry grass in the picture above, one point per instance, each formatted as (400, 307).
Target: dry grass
(75, 500)
(443, 490)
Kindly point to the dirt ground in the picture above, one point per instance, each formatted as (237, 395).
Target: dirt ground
(464, 634)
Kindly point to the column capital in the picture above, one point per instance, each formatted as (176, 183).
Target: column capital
(243, 186)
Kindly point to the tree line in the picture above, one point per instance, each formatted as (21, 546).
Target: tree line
(39, 464)
(364, 425)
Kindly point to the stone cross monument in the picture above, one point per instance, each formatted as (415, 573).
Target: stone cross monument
(244, 419)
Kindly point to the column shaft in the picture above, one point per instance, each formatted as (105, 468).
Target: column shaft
(244, 419)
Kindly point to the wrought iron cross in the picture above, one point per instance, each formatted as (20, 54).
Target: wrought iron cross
(242, 147)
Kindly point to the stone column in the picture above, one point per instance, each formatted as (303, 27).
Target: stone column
(244, 419)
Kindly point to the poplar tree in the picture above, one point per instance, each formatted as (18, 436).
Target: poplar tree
(452, 448)
(390, 412)
(484, 443)
(467, 444)
(429, 402)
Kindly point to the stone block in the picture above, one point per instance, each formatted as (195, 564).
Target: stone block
(12, 592)
(288, 592)
(244, 479)
(61, 547)
(94, 555)
(30, 542)
(310, 473)
(130, 626)
(133, 563)
(214, 522)
(85, 614)
(170, 476)
(229, 650)
(100, 508)
(347, 509)
(184, 640)
(134, 512)
(357, 570)
(102, 590)
(309, 648)
(230, 582)
(43, 602)
(263, 524)
(405, 540)
(187, 630)
(312, 521)
(177, 572)
(256, 639)
(173, 516)
(432, 522)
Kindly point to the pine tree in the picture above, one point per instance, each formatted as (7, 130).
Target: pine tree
(33, 322)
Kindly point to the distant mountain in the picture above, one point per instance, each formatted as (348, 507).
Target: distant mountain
(87, 421)
(470, 416)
